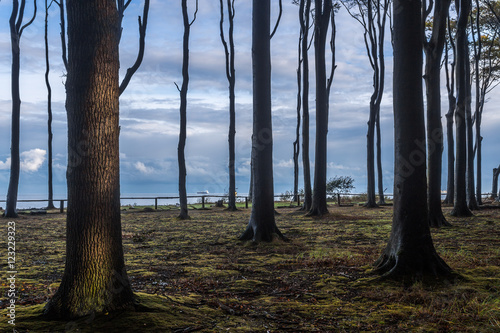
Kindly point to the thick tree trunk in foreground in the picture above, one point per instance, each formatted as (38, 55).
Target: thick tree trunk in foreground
(94, 280)
(460, 207)
(321, 23)
(433, 52)
(410, 253)
(262, 225)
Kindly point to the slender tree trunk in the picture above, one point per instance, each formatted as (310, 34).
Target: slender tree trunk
(94, 279)
(262, 225)
(183, 113)
(11, 204)
(304, 15)
(460, 207)
(16, 30)
(476, 33)
(321, 23)
(470, 188)
(410, 253)
(230, 74)
(49, 111)
(296, 143)
(433, 52)
(452, 102)
(381, 196)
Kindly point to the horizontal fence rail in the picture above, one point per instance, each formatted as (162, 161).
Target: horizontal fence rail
(285, 197)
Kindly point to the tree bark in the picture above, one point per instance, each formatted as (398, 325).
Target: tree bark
(262, 225)
(410, 254)
(452, 101)
(230, 74)
(433, 52)
(304, 17)
(321, 22)
(16, 30)
(94, 279)
(50, 204)
(460, 207)
(470, 188)
(181, 160)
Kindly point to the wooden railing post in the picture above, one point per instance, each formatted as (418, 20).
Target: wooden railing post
(202, 202)
(61, 206)
(156, 203)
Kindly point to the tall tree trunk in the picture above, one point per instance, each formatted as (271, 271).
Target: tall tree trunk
(230, 74)
(321, 22)
(50, 204)
(460, 207)
(16, 30)
(433, 52)
(94, 279)
(410, 253)
(470, 188)
(304, 17)
(262, 225)
(296, 143)
(452, 101)
(183, 111)
(476, 37)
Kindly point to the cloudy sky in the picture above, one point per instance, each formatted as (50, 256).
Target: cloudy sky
(149, 106)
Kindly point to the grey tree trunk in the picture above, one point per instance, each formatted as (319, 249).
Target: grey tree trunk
(304, 18)
(183, 111)
(452, 102)
(410, 254)
(460, 207)
(262, 225)
(94, 279)
(470, 188)
(433, 52)
(323, 11)
(16, 30)
(231, 77)
(50, 204)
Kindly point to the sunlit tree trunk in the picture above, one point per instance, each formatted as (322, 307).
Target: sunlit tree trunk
(94, 280)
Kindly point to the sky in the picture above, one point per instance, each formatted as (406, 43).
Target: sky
(149, 108)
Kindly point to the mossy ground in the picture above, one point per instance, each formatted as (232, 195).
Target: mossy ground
(194, 275)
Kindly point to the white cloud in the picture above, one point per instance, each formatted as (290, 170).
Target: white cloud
(32, 160)
(143, 168)
(5, 165)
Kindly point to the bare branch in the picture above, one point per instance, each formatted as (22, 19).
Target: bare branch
(278, 20)
(142, 43)
(30, 21)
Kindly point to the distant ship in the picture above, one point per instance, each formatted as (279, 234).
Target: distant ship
(202, 192)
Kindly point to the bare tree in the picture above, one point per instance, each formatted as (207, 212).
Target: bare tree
(433, 53)
(460, 207)
(16, 31)
(50, 204)
(372, 16)
(304, 19)
(449, 67)
(262, 224)
(322, 19)
(183, 108)
(231, 77)
(410, 253)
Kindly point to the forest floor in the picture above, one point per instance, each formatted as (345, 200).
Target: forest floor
(196, 276)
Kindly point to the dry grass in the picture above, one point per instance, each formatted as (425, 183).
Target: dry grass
(195, 275)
